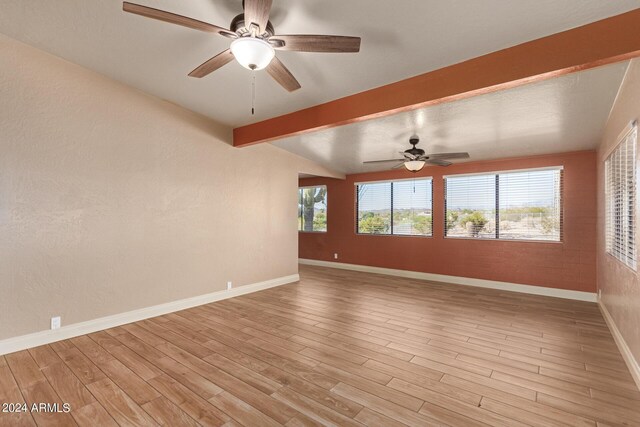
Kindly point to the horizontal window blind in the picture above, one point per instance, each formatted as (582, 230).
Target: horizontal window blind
(470, 206)
(530, 205)
(519, 205)
(412, 207)
(312, 209)
(395, 207)
(620, 201)
(374, 208)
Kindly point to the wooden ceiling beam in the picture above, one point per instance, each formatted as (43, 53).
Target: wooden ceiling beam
(599, 43)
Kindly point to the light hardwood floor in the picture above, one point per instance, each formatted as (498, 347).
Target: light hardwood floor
(339, 348)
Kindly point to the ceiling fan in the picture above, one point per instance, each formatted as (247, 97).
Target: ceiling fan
(415, 158)
(254, 40)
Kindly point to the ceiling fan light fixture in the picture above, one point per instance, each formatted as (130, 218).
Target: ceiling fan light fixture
(414, 165)
(252, 53)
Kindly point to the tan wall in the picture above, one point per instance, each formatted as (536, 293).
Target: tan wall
(620, 285)
(112, 200)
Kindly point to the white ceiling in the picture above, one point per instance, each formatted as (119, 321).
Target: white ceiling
(400, 39)
(558, 115)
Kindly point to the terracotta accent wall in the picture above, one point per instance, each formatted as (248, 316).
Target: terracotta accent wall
(112, 200)
(570, 264)
(620, 286)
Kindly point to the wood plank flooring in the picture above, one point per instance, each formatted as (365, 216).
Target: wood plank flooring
(338, 348)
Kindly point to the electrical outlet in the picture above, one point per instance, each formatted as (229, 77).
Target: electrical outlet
(229, 285)
(56, 322)
(335, 256)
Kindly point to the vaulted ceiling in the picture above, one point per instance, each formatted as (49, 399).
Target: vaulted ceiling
(399, 40)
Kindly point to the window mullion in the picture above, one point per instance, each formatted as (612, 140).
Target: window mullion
(391, 204)
(357, 218)
(497, 214)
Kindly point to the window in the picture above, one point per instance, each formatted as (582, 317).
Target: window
(517, 205)
(620, 203)
(395, 207)
(312, 209)
(374, 208)
(470, 203)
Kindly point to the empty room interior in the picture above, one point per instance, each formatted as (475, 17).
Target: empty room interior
(319, 213)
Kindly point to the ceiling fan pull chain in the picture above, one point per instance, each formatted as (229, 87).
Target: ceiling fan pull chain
(253, 92)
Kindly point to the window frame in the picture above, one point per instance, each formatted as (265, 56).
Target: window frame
(610, 239)
(300, 213)
(497, 174)
(390, 181)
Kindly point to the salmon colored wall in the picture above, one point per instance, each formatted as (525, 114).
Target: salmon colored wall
(570, 264)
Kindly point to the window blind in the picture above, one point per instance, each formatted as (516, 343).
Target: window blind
(374, 208)
(620, 202)
(412, 207)
(530, 205)
(470, 206)
(395, 207)
(312, 209)
(511, 205)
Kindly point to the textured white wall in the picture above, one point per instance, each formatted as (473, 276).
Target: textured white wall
(619, 284)
(112, 200)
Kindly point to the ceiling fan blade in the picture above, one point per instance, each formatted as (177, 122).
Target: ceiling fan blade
(448, 156)
(173, 18)
(282, 75)
(257, 12)
(384, 161)
(212, 64)
(317, 43)
(398, 166)
(437, 162)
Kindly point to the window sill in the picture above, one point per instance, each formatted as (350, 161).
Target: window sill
(394, 235)
(489, 239)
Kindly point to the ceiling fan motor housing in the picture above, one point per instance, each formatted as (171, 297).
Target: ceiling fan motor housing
(414, 151)
(238, 26)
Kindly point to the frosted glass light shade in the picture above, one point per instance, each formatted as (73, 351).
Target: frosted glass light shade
(414, 165)
(252, 53)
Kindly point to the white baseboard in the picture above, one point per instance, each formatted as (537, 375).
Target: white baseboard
(23, 342)
(467, 281)
(631, 362)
